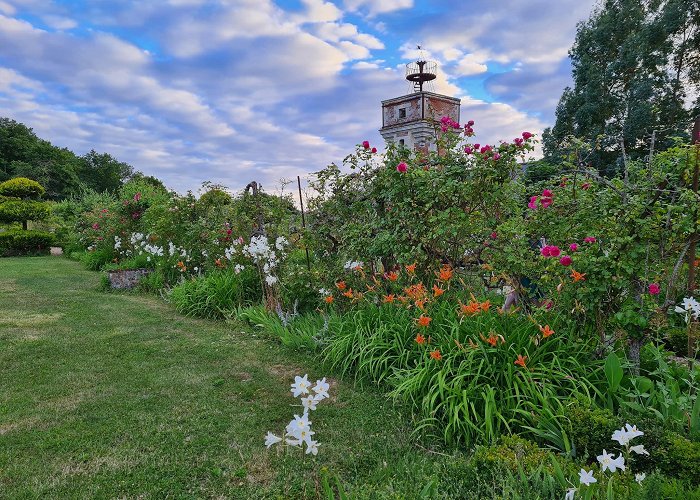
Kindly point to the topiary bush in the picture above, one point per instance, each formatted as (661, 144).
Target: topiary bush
(20, 242)
(590, 427)
(21, 187)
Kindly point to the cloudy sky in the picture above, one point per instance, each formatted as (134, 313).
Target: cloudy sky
(237, 90)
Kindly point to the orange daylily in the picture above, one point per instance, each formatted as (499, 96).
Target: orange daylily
(181, 266)
(424, 320)
(340, 285)
(389, 299)
(392, 276)
(420, 339)
(485, 305)
(420, 304)
(436, 354)
(445, 273)
(578, 276)
(218, 263)
(416, 292)
(329, 299)
(437, 291)
(546, 331)
(348, 294)
(411, 268)
(521, 360)
(469, 309)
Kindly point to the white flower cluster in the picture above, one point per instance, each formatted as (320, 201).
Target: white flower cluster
(690, 307)
(263, 254)
(117, 242)
(609, 462)
(298, 432)
(353, 265)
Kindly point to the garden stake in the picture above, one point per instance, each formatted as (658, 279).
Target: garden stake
(303, 223)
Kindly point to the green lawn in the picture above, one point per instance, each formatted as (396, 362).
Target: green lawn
(106, 395)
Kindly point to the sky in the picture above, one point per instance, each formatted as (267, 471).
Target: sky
(231, 91)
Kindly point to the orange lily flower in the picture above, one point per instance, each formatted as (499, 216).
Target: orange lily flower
(392, 276)
(218, 263)
(521, 360)
(348, 294)
(329, 299)
(420, 339)
(411, 268)
(469, 309)
(485, 305)
(546, 331)
(445, 273)
(389, 299)
(492, 339)
(341, 285)
(436, 354)
(437, 291)
(424, 321)
(578, 276)
(420, 304)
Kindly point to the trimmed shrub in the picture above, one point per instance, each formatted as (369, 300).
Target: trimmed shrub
(21, 187)
(19, 242)
(23, 210)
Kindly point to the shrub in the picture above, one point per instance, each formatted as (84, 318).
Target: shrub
(218, 294)
(679, 457)
(23, 210)
(20, 242)
(590, 427)
(96, 259)
(21, 187)
(677, 339)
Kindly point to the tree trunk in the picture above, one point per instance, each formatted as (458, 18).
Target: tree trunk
(635, 348)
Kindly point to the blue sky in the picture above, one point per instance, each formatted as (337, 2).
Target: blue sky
(231, 91)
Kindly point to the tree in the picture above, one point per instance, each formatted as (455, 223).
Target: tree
(21, 201)
(635, 64)
(102, 172)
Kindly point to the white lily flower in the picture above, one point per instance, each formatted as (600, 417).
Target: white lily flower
(270, 280)
(621, 436)
(271, 439)
(586, 477)
(639, 449)
(607, 462)
(292, 442)
(300, 385)
(570, 494)
(640, 477)
(298, 424)
(312, 447)
(321, 388)
(303, 435)
(633, 431)
(309, 402)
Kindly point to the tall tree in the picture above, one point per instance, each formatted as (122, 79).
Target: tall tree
(636, 69)
(102, 172)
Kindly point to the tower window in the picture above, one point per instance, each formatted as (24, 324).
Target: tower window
(402, 113)
(402, 142)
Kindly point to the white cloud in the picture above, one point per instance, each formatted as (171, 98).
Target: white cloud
(468, 66)
(375, 7)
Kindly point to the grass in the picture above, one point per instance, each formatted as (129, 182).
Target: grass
(115, 395)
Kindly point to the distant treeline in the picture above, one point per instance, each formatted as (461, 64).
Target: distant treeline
(59, 170)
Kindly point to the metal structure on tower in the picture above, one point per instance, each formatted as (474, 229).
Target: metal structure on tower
(420, 72)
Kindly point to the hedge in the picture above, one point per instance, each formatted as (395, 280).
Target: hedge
(23, 210)
(19, 242)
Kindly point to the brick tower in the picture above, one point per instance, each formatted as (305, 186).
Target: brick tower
(410, 120)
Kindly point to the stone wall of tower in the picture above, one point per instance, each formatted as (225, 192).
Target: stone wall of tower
(410, 119)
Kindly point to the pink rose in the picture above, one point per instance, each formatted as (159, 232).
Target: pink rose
(401, 167)
(589, 239)
(547, 193)
(468, 150)
(526, 135)
(374, 150)
(545, 251)
(573, 247)
(533, 203)
(554, 251)
(654, 289)
(565, 260)
(365, 144)
(496, 156)
(494, 235)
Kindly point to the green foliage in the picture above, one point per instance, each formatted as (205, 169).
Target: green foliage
(23, 210)
(297, 331)
(679, 457)
(216, 295)
(632, 72)
(677, 339)
(96, 259)
(214, 198)
(102, 173)
(20, 242)
(590, 427)
(21, 187)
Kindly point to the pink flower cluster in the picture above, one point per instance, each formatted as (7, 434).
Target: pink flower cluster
(401, 167)
(365, 145)
(545, 199)
(447, 123)
(468, 130)
(550, 251)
